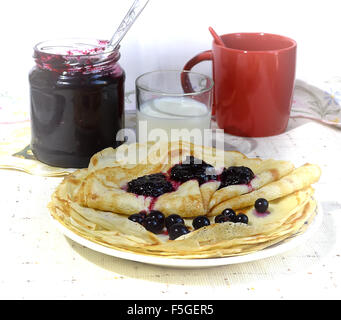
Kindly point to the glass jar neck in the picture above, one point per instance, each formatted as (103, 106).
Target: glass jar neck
(76, 56)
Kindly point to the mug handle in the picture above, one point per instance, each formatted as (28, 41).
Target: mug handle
(203, 56)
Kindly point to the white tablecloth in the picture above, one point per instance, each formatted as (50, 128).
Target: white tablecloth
(38, 262)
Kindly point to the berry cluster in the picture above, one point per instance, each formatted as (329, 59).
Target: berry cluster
(228, 215)
(152, 185)
(156, 221)
(175, 226)
(193, 168)
(235, 175)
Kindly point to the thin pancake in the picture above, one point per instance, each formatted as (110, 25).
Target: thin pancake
(300, 178)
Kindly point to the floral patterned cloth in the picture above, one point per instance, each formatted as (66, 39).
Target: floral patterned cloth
(320, 103)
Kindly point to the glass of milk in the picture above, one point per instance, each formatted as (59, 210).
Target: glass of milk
(173, 105)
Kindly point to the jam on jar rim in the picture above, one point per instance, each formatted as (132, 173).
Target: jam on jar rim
(75, 55)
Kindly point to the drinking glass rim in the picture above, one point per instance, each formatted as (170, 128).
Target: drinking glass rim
(162, 93)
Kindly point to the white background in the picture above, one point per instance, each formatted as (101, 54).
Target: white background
(169, 32)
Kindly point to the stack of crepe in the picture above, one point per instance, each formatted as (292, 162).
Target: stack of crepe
(94, 204)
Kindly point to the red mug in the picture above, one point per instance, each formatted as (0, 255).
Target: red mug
(254, 75)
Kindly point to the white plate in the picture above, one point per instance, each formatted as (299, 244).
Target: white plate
(279, 248)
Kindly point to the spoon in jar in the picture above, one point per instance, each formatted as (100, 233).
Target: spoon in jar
(131, 16)
(216, 37)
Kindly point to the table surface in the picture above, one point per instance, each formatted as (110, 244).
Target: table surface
(38, 262)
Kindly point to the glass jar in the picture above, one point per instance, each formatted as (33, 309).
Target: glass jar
(77, 101)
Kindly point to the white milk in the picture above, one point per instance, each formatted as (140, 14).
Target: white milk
(172, 113)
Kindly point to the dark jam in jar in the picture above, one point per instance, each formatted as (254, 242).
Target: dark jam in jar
(77, 101)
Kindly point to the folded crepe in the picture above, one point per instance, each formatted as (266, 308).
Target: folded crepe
(298, 179)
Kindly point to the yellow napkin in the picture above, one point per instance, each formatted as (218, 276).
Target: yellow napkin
(15, 152)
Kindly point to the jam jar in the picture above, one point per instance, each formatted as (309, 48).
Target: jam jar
(77, 101)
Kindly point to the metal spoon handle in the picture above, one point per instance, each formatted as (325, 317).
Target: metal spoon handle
(131, 16)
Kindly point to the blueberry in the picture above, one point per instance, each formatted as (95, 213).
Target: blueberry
(153, 225)
(172, 219)
(235, 175)
(153, 185)
(193, 168)
(261, 205)
(136, 217)
(229, 214)
(177, 230)
(241, 217)
(200, 221)
(220, 219)
(157, 215)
